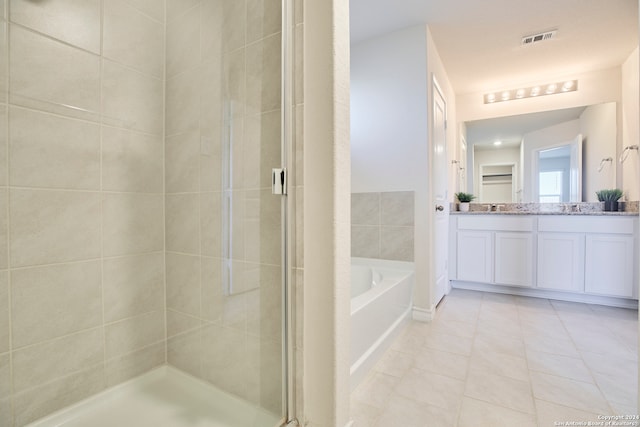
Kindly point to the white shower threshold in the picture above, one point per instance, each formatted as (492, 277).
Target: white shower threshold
(163, 397)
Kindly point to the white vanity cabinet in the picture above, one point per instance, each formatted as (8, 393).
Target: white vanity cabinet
(587, 258)
(495, 249)
(590, 254)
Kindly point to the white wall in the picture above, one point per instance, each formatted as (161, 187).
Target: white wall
(598, 129)
(388, 111)
(630, 169)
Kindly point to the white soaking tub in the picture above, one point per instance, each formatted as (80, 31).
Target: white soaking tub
(381, 294)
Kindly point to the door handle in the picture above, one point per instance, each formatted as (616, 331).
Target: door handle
(439, 208)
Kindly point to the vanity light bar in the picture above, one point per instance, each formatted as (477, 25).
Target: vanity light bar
(531, 92)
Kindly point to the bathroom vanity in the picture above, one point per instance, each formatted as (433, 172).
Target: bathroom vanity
(578, 256)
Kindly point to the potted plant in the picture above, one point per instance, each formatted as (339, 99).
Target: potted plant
(610, 198)
(464, 199)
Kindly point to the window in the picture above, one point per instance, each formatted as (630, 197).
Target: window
(550, 187)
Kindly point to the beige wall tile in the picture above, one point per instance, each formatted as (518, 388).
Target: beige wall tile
(54, 226)
(396, 208)
(183, 102)
(211, 223)
(262, 228)
(6, 416)
(233, 24)
(233, 80)
(5, 376)
(183, 283)
(132, 38)
(137, 363)
(4, 314)
(52, 72)
(76, 22)
(175, 8)
(212, 293)
(264, 18)
(264, 315)
(262, 148)
(49, 302)
(263, 75)
(179, 323)
(133, 223)
(4, 258)
(131, 100)
(40, 401)
(53, 152)
(4, 60)
(184, 351)
(365, 241)
(396, 243)
(152, 8)
(211, 30)
(3, 138)
(183, 41)
(41, 363)
(225, 359)
(182, 157)
(133, 285)
(183, 223)
(134, 333)
(131, 161)
(365, 208)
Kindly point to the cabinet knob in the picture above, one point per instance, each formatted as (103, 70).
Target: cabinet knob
(439, 208)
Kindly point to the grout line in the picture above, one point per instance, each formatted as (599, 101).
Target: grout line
(164, 180)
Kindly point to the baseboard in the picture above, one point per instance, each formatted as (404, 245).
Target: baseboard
(423, 315)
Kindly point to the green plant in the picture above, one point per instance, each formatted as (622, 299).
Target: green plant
(465, 197)
(609, 195)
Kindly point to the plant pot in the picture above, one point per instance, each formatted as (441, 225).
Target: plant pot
(610, 206)
(463, 206)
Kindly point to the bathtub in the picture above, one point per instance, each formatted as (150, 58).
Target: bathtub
(381, 293)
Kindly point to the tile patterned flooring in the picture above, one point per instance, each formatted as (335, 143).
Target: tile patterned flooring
(501, 360)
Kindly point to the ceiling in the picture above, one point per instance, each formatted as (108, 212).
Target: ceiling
(479, 41)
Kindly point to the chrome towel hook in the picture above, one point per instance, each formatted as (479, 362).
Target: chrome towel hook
(603, 162)
(625, 152)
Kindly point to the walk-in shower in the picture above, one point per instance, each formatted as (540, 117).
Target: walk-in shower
(143, 261)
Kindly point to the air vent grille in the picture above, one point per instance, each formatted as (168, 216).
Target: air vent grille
(540, 37)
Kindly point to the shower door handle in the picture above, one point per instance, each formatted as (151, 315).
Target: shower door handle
(279, 181)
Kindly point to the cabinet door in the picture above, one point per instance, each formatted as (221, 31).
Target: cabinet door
(609, 265)
(475, 256)
(561, 261)
(514, 259)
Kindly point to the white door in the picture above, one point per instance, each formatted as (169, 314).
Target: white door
(440, 204)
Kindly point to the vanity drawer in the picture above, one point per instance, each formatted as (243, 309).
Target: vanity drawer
(586, 224)
(496, 222)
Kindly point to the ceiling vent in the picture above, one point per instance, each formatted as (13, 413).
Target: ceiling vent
(540, 37)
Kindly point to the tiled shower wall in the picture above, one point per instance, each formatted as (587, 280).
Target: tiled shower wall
(224, 288)
(382, 225)
(81, 199)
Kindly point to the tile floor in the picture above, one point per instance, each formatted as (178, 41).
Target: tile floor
(500, 360)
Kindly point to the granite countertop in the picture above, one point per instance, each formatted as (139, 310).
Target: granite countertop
(592, 213)
(630, 208)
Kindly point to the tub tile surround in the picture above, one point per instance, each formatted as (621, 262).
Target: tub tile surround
(542, 369)
(382, 225)
(81, 210)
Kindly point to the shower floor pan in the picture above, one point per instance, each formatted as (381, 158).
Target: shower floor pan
(164, 397)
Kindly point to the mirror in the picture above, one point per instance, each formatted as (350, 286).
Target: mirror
(507, 155)
(557, 173)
